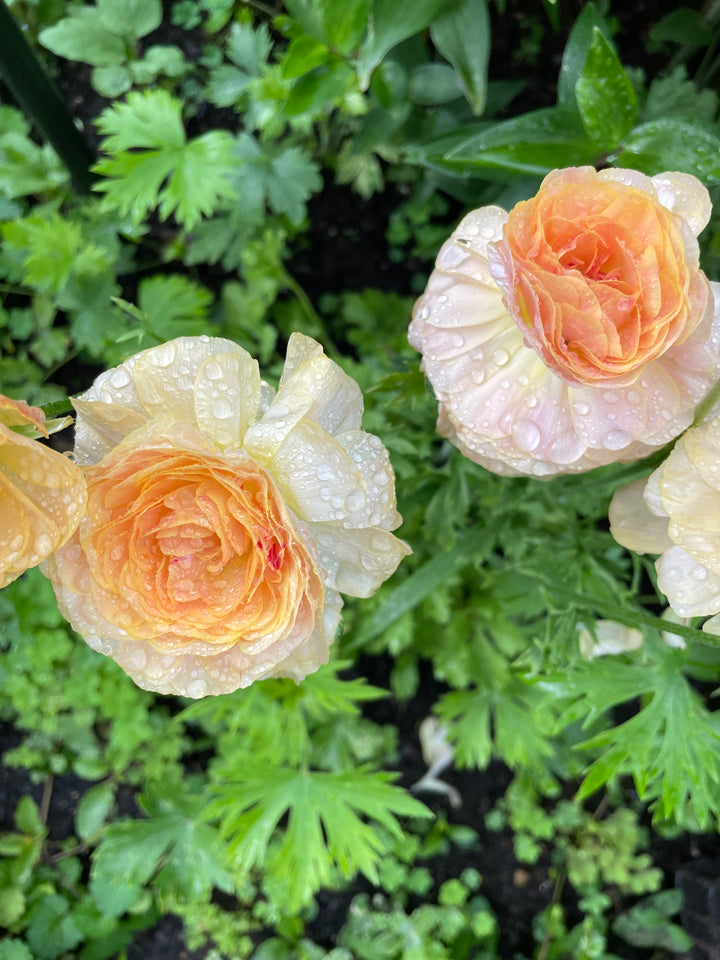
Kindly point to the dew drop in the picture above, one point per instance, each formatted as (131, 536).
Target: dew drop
(197, 688)
(500, 357)
(458, 340)
(487, 232)
(43, 544)
(478, 375)
(526, 435)
(323, 471)
(120, 378)
(356, 500)
(213, 370)
(582, 408)
(137, 659)
(616, 440)
(610, 396)
(505, 384)
(222, 409)
(634, 398)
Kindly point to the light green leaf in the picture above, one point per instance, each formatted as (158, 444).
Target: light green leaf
(12, 907)
(93, 810)
(175, 306)
(131, 18)
(83, 36)
(393, 21)
(463, 37)
(14, 950)
(324, 831)
(151, 162)
(605, 96)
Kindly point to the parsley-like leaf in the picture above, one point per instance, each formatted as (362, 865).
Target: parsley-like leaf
(324, 832)
(151, 162)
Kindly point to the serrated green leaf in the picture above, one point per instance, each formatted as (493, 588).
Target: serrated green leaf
(52, 930)
(463, 37)
(605, 97)
(151, 162)
(174, 305)
(672, 144)
(683, 25)
(324, 831)
(173, 843)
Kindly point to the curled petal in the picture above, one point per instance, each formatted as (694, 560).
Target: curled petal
(42, 498)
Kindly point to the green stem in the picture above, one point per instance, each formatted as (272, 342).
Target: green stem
(631, 618)
(37, 95)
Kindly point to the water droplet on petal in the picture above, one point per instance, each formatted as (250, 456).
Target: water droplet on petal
(582, 408)
(500, 357)
(197, 688)
(356, 500)
(526, 435)
(222, 409)
(616, 440)
(634, 398)
(213, 370)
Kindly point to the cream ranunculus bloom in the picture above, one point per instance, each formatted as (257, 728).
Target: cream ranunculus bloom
(676, 513)
(576, 330)
(224, 518)
(42, 493)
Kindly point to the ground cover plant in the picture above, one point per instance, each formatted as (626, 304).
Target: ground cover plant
(327, 642)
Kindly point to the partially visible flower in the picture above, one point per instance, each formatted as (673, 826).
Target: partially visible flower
(607, 637)
(577, 330)
(676, 513)
(224, 518)
(42, 493)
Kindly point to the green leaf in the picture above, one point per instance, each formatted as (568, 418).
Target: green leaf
(51, 929)
(535, 142)
(393, 21)
(51, 250)
(175, 306)
(151, 162)
(285, 180)
(672, 144)
(422, 582)
(337, 25)
(83, 36)
(430, 84)
(27, 818)
(462, 36)
(671, 746)
(131, 18)
(173, 843)
(12, 907)
(93, 809)
(576, 52)
(14, 950)
(324, 831)
(605, 96)
(111, 81)
(685, 26)
(676, 96)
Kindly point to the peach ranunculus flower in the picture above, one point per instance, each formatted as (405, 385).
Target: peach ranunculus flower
(224, 518)
(577, 330)
(42, 493)
(676, 513)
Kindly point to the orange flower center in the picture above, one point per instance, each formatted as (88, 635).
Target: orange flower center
(185, 547)
(599, 277)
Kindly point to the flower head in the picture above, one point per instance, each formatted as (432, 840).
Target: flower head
(42, 493)
(224, 518)
(578, 329)
(676, 513)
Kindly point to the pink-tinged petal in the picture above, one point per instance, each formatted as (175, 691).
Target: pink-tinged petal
(17, 413)
(42, 498)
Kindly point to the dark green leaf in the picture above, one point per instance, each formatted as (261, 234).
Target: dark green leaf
(576, 52)
(393, 21)
(672, 144)
(605, 96)
(463, 37)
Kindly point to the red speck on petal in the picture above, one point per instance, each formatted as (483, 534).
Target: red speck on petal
(274, 555)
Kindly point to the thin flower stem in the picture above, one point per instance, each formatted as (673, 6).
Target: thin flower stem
(47, 794)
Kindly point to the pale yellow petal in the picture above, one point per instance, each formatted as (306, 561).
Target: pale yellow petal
(633, 525)
(227, 397)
